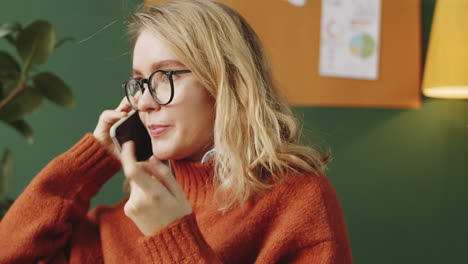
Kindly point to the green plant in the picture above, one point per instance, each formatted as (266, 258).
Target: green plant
(23, 89)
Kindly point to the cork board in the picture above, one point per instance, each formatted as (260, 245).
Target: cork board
(291, 37)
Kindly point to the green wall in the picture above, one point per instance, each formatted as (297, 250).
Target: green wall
(400, 174)
(94, 68)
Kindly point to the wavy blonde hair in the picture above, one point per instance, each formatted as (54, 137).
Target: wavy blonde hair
(256, 136)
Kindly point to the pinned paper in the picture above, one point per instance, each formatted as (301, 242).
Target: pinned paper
(299, 3)
(350, 39)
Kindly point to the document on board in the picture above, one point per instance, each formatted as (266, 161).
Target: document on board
(299, 3)
(350, 39)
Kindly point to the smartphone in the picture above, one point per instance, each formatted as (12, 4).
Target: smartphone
(131, 128)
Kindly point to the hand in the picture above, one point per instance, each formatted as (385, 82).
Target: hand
(156, 199)
(106, 120)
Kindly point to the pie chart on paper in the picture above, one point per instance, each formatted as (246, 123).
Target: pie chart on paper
(362, 45)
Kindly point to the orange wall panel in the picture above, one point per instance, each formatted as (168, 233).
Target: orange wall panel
(291, 37)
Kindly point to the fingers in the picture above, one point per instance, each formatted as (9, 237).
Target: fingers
(124, 106)
(110, 116)
(128, 153)
(106, 120)
(163, 173)
(159, 171)
(137, 175)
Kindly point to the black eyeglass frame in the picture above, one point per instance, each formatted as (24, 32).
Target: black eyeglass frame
(148, 80)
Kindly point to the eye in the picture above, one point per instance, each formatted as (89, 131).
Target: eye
(164, 77)
(176, 76)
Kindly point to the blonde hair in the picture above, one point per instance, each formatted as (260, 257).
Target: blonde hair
(256, 136)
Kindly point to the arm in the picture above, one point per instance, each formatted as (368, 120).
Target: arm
(39, 224)
(326, 252)
(180, 242)
(158, 206)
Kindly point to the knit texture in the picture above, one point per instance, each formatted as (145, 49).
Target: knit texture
(299, 220)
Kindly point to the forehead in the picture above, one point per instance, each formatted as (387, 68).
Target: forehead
(150, 52)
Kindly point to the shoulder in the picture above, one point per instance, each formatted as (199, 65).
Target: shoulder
(300, 211)
(305, 201)
(313, 189)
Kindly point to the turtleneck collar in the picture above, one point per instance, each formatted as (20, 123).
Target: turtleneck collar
(195, 178)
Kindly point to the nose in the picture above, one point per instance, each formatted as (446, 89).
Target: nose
(146, 102)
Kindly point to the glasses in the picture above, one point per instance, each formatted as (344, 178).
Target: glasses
(160, 84)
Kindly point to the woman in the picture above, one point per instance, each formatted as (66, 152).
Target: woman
(236, 188)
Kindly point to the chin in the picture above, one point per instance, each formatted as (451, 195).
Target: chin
(161, 154)
(164, 151)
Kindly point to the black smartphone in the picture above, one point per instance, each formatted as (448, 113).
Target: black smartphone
(131, 128)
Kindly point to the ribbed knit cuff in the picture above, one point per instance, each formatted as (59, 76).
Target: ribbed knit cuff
(180, 242)
(80, 171)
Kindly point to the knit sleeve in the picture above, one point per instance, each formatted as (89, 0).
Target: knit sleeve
(326, 252)
(39, 225)
(180, 242)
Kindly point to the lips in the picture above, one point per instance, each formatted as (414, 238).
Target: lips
(157, 130)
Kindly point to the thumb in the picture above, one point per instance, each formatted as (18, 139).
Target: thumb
(163, 173)
(128, 156)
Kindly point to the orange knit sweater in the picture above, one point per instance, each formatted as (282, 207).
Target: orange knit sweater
(298, 221)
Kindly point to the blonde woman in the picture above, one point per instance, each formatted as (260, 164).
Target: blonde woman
(228, 181)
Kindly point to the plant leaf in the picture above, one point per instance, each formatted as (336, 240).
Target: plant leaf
(54, 89)
(23, 128)
(28, 102)
(9, 68)
(8, 86)
(11, 39)
(35, 43)
(6, 171)
(2, 93)
(9, 28)
(61, 41)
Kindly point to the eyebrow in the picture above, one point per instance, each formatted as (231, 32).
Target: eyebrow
(160, 64)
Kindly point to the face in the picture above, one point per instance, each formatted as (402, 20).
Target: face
(182, 129)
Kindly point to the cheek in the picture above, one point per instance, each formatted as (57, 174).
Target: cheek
(192, 116)
(192, 137)
(194, 104)
(195, 120)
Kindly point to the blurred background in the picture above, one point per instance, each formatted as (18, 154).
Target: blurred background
(401, 175)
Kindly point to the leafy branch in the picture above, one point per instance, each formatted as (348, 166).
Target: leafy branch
(21, 92)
